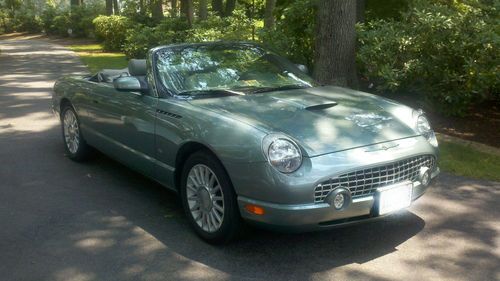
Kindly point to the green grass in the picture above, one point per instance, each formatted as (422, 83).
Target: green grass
(467, 161)
(96, 59)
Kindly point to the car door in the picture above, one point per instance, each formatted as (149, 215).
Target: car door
(125, 125)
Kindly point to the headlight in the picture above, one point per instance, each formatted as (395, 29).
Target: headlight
(424, 128)
(282, 153)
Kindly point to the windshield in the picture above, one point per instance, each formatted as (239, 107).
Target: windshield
(230, 68)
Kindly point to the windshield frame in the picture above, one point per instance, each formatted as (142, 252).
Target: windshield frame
(165, 92)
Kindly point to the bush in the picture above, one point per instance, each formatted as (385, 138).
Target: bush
(446, 52)
(294, 33)
(81, 17)
(112, 30)
(140, 39)
(237, 27)
(26, 19)
(176, 30)
(60, 24)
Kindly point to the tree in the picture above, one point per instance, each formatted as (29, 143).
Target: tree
(116, 7)
(203, 13)
(336, 43)
(218, 7)
(187, 8)
(230, 6)
(269, 14)
(173, 8)
(109, 7)
(157, 10)
(360, 10)
(112, 7)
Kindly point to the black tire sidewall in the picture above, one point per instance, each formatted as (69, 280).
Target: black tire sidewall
(232, 220)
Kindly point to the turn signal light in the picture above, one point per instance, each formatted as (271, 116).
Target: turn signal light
(254, 209)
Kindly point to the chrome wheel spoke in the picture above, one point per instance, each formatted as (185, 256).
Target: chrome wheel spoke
(205, 198)
(71, 131)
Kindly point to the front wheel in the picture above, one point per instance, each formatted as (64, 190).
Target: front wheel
(75, 145)
(209, 200)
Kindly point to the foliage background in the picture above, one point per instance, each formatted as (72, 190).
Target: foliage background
(444, 52)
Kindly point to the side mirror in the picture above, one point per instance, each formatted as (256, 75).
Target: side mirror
(302, 68)
(129, 84)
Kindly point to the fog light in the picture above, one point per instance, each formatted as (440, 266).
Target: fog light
(338, 201)
(425, 176)
(339, 198)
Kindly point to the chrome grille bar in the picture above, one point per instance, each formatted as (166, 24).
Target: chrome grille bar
(366, 181)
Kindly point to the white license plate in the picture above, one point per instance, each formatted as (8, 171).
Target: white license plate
(393, 198)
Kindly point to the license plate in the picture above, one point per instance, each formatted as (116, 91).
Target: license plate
(393, 198)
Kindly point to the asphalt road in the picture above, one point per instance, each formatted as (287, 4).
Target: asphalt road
(61, 220)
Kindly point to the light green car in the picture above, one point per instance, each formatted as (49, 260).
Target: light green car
(244, 135)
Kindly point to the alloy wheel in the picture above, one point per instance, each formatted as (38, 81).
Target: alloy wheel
(205, 198)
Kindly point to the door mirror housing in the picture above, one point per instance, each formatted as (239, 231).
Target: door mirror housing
(130, 84)
(303, 68)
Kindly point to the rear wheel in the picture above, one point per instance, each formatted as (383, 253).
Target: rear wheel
(75, 145)
(209, 200)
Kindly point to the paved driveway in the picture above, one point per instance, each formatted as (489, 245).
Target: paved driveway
(60, 220)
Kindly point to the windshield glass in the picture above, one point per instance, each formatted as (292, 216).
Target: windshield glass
(198, 69)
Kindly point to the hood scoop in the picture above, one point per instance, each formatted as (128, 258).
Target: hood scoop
(321, 106)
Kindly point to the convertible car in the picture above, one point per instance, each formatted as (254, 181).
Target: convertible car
(245, 135)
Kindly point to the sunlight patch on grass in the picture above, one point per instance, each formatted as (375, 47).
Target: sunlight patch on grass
(96, 59)
(86, 47)
(466, 161)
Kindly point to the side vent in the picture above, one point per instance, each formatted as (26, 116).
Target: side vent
(172, 115)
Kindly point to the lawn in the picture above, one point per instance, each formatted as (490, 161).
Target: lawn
(464, 160)
(96, 59)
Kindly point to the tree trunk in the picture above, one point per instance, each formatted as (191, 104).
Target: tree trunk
(360, 10)
(157, 10)
(218, 7)
(203, 13)
(269, 15)
(75, 2)
(230, 6)
(187, 9)
(336, 43)
(116, 7)
(141, 7)
(109, 7)
(173, 8)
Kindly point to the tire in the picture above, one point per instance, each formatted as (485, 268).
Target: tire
(208, 187)
(75, 145)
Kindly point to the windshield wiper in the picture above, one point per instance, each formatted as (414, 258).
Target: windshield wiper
(210, 92)
(280, 88)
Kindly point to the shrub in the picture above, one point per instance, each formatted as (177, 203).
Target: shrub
(60, 24)
(176, 30)
(446, 52)
(47, 17)
(140, 39)
(237, 27)
(26, 19)
(294, 33)
(112, 30)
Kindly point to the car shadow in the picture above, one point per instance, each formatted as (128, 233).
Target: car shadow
(258, 253)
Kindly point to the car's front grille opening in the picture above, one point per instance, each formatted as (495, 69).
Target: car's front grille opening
(366, 181)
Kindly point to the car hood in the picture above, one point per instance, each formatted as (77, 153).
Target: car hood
(322, 119)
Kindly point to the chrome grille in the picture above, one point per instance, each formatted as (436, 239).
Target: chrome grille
(366, 181)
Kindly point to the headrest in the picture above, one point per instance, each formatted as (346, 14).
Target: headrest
(137, 67)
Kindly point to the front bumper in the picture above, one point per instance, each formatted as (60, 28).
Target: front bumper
(310, 217)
